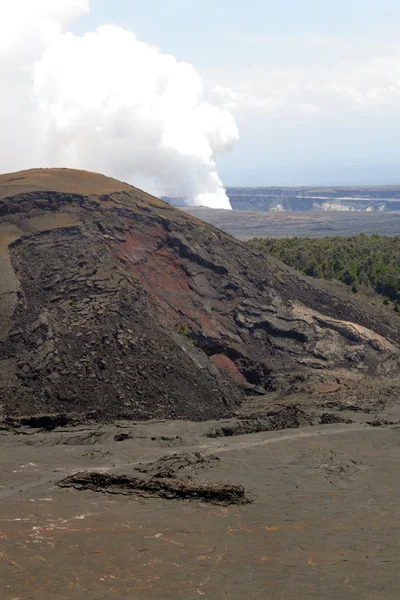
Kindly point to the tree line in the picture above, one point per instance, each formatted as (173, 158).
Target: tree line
(361, 260)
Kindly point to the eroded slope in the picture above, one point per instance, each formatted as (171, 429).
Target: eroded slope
(114, 304)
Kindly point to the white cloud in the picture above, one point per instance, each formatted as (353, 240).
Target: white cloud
(338, 75)
(105, 101)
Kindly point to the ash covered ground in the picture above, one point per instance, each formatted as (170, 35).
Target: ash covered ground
(307, 512)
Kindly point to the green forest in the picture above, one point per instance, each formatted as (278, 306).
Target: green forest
(361, 260)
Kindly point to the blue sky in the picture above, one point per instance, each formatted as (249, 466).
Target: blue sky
(176, 22)
(314, 86)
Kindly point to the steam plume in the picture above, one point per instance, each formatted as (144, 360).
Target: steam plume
(105, 101)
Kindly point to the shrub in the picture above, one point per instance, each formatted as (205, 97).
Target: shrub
(368, 260)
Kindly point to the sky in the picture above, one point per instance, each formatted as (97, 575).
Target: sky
(314, 86)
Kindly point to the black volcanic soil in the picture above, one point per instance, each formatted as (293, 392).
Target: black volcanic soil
(116, 305)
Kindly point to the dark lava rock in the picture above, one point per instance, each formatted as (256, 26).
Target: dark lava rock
(42, 422)
(187, 464)
(381, 423)
(169, 489)
(113, 304)
(330, 418)
(289, 417)
(122, 437)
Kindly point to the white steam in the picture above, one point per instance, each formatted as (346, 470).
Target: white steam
(106, 102)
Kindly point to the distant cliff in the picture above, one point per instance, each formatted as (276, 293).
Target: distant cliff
(299, 199)
(316, 198)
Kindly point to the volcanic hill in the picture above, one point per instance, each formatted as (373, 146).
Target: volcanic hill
(114, 304)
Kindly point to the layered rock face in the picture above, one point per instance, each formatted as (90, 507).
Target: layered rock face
(303, 199)
(113, 304)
